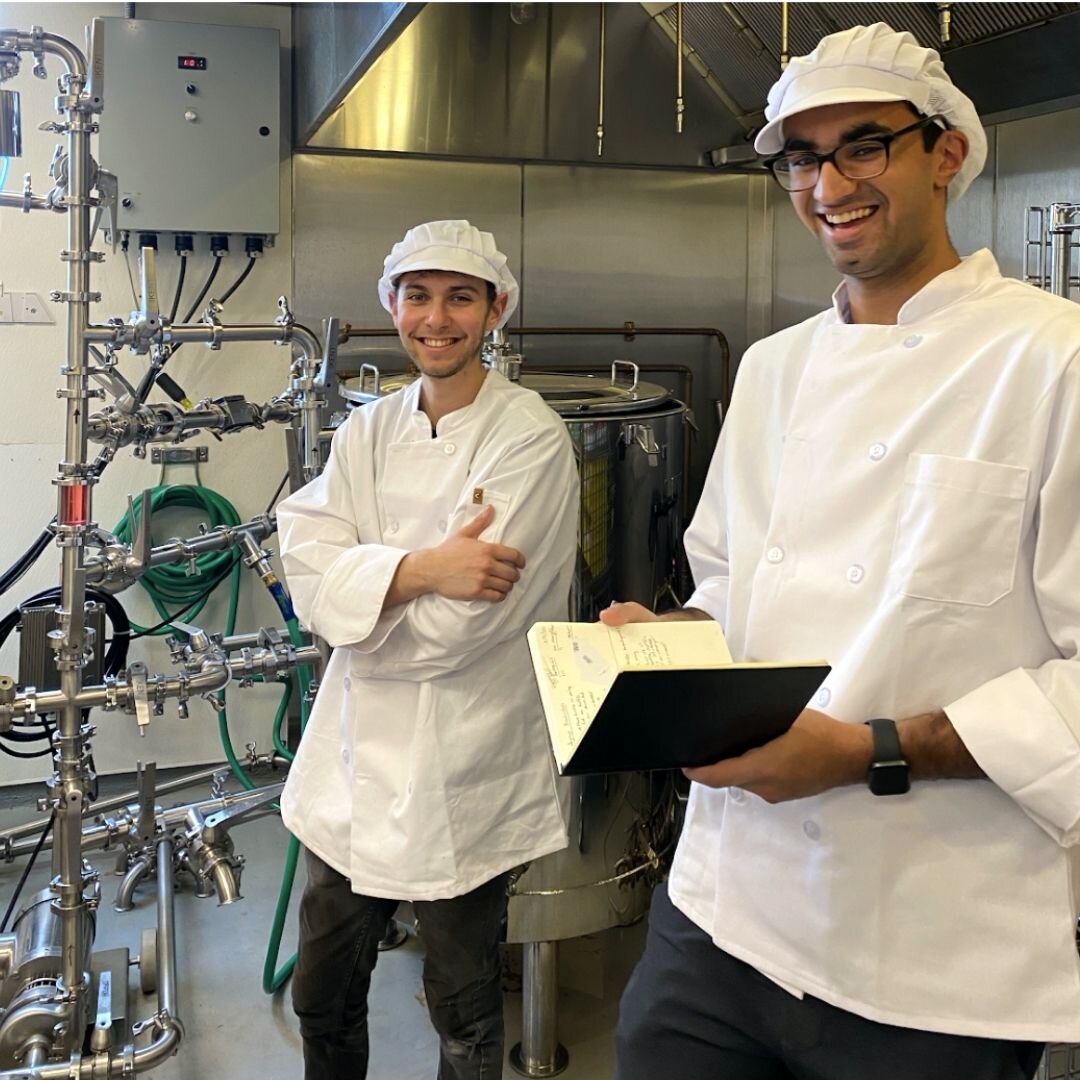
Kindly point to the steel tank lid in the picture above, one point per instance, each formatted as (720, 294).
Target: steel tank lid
(567, 394)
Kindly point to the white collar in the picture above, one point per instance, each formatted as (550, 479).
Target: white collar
(972, 272)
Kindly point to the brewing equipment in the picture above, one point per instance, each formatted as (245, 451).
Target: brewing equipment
(1050, 247)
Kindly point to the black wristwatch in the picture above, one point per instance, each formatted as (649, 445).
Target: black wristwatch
(888, 773)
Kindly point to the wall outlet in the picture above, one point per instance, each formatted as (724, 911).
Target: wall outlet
(30, 308)
(24, 307)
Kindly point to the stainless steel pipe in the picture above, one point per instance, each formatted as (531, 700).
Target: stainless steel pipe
(213, 675)
(540, 1053)
(10, 124)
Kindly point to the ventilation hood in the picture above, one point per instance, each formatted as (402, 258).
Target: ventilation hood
(523, 81)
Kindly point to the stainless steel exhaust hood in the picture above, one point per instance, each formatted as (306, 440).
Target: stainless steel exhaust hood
(522, 81)
(1007, 57)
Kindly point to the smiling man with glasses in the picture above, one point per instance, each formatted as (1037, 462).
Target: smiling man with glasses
(886, 892)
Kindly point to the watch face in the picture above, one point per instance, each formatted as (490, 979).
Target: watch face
(889, 778)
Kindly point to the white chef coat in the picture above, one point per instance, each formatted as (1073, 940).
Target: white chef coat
(902, 501)
(425, 768)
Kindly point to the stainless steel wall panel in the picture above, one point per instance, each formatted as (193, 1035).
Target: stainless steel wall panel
(349, 210)
(615, 244)
(803, 278)
(971, 220)
(658, 248)
(1038, 163)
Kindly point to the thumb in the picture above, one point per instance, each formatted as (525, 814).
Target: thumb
(474, 528)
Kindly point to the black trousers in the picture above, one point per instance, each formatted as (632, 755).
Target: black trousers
(339, 937)
(694, 1012)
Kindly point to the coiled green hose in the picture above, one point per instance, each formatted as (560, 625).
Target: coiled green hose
(175, 585)
(188, 593)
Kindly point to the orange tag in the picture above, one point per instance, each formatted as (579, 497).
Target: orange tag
(478, 496)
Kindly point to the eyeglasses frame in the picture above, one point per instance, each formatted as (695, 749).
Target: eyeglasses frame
(885, 138)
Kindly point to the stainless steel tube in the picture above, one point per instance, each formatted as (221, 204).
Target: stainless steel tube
(10, 124)
(213, 675)
(138, 870)
(539, 1053)
(166, 929)
(1060, 257)
(19, 202)
(33, 828)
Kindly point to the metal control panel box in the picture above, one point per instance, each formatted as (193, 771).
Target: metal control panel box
(191, 126)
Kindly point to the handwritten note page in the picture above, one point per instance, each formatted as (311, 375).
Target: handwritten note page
(576, 663)
(671, 645)
(574, 669)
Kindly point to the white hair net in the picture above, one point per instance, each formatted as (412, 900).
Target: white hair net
(874, 63)
(456, 246)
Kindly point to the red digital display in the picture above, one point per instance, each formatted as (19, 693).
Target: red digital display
(191, 63)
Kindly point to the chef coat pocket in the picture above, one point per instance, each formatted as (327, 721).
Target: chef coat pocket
(958, 531)
(479, 499)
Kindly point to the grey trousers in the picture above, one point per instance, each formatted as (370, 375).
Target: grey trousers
(692, 1011)
(339, 937)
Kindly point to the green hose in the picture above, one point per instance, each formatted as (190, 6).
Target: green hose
(273, 978)
(188, 593)
(174, 585)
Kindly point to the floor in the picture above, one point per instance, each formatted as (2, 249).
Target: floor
(233, 1030)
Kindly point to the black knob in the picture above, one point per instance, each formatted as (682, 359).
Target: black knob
(264, 131)
(191, 88)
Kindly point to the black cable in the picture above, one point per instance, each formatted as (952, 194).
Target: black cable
(26, 872)
(274, 497)
(14, 573)
(183, 611)
(179, 289)
(28, 755)
(16, 735)
(148, 380)
(205, 289)
(240, 279)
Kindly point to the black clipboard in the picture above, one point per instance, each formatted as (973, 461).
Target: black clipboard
(676, 718)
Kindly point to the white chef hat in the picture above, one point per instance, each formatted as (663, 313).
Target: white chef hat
(450, 245)
(874, 63)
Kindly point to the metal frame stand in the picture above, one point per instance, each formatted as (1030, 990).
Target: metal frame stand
(540, 1053)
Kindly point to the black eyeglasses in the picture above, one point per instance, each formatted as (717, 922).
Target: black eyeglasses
(861, 159)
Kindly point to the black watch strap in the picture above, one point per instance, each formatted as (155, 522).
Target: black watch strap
(889, 773)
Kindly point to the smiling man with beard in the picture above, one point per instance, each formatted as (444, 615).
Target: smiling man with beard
(887, 890)
(444, 525)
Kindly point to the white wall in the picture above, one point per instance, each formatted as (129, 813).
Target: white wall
(246, 468)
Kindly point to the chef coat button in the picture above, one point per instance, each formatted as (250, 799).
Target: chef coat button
(878, 451)
(775, 555)
(812, 829)
(449, 448)
(738, 796)
(345, 755)
(392, 527)
(855, 573)
(442, 526)
(911, 341)
(347, 683)
(823, 697)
